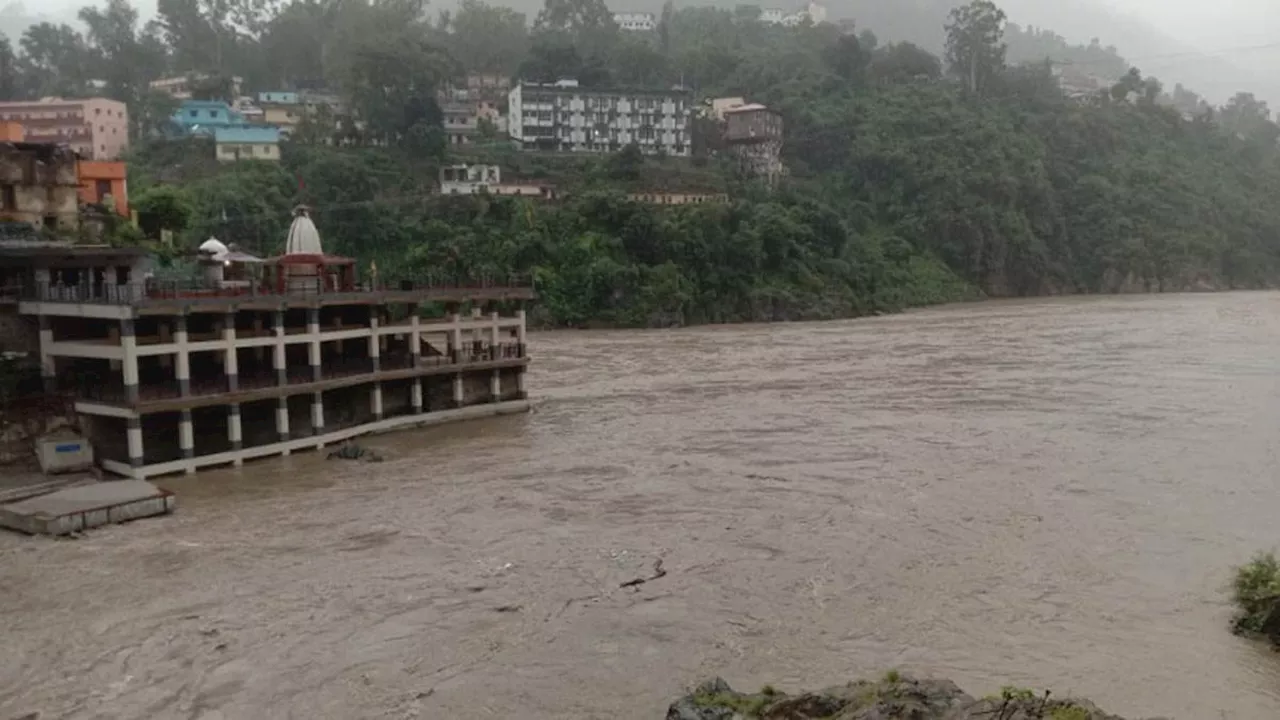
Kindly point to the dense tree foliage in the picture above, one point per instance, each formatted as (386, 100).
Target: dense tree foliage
(912, 179)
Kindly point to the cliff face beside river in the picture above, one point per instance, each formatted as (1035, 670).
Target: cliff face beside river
(894, 697)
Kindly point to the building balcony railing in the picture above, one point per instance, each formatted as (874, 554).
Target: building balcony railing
(154, 290)
(93, 388)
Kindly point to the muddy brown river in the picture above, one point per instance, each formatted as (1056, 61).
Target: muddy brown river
(1041, 493)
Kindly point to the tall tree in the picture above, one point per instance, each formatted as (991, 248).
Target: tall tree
(975, 47)
(56, 60)
(488, 38)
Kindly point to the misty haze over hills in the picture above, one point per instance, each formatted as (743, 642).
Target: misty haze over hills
(1216, 72)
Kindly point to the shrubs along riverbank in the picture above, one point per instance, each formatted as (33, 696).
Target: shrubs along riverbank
(893, 697)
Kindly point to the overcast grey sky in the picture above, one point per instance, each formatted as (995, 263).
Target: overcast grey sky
(1215, 25)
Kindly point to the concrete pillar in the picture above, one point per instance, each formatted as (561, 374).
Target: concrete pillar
(183, 368)
(113, 336)
(313, 348)
(277, 360)
(415, 338)
(129, 343)
(282, 420)
(416, 395)
(493, 335)
(457, 390)
(375, 400)
(48, 370)
(374, 343)
(454, 342)
(135, 442)
(520, 331)
(232, 360)
(520, 391)
(186, 438)
(495, 385)
(233, 429)
(317, 415)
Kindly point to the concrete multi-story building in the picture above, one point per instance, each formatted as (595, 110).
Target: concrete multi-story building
(39, 185)
(97, 128)
(753, 135)
(170, 378)
(636, 21)
(567, 118)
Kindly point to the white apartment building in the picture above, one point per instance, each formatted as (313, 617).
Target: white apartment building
(566, 118)
(638, 21)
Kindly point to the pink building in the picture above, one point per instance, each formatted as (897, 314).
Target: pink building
(96, 128)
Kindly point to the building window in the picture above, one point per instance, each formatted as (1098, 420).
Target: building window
(102, 129)
(194, 113)
(98, 111)
(10, 197)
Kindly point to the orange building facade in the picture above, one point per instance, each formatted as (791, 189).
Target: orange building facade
(101, 180)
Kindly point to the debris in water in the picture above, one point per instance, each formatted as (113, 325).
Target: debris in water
(658, 572)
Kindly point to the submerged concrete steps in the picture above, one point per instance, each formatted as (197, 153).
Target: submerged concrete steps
(87, 506)
(42, 485)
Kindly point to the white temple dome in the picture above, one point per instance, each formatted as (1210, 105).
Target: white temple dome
(304, 239)
(213, 246)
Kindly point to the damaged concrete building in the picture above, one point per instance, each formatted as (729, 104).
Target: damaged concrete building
(39, 185)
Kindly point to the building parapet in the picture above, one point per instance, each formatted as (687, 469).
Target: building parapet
(442, 287)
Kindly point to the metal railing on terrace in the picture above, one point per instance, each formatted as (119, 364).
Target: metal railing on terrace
(159, 290)
(84, 386)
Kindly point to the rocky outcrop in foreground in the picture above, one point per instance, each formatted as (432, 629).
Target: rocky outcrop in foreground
(896, 697)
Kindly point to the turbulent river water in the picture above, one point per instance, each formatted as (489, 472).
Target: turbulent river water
(1041, 493)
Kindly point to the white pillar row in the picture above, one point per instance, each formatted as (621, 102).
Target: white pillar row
(375, 400)
(457, 390)
(416, 395)
(495, 385)
(233, 430)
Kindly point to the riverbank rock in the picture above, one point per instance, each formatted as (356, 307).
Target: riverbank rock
(895, 697)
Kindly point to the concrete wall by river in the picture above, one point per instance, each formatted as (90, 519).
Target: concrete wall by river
(1040, 493)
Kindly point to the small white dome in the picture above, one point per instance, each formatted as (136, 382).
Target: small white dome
(213, 246)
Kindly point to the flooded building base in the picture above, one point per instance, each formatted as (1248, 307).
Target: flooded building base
(169, 377)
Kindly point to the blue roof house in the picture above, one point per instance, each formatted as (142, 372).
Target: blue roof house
(202, 117)
(247, 142)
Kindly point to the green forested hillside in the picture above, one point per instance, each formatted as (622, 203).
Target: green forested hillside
(914, 178)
